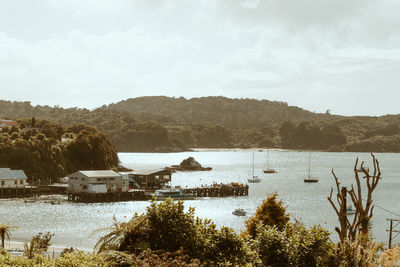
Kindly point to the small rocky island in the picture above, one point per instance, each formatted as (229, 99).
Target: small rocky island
(189, 164)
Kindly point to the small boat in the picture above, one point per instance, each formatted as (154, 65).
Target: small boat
(239, 212)
(268, 169)
(255, 178)
(310, 179)
(176, 193)
(350, 211)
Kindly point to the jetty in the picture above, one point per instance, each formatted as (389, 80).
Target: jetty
(85, 197)
(32, 191)
(219, 190)
(215, 190)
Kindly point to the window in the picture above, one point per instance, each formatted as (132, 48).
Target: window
(21, 182)
(3, 183)
(85, 187)
(15, 182)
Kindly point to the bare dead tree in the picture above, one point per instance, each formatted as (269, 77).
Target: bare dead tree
(363, 212)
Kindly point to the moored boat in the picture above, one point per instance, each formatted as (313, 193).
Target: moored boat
(310, 179)
(176, 193)
(239, 212)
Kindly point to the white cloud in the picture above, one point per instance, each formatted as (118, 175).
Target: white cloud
(315, 54)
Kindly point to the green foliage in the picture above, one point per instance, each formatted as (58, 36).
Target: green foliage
(78, 259)
(270, 212)
(295, 245)
(175, 124)
(167, 227)
(315, 136)
(5, 233)
(38, 245)
(351, 254)
(49, 151)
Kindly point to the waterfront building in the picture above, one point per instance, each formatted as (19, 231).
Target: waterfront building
(12, 178)
(95, 181)
(151, 179)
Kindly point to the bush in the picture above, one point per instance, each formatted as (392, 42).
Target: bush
(166, 227)
(295, 245)
(270, 212)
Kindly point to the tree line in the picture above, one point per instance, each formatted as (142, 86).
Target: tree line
(47, 151)
(163, 124)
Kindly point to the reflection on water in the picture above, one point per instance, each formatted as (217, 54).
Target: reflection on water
(73, 223)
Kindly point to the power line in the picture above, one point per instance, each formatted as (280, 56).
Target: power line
(379, 207)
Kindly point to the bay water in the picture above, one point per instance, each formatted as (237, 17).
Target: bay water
(74, 223)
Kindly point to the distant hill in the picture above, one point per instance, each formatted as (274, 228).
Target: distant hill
(231, 113)
(166, 124)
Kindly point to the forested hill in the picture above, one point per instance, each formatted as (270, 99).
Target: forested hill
(163, 124)
(228, 112)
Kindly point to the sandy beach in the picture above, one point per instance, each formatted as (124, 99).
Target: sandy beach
(17, 246)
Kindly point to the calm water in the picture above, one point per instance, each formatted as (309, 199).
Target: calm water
(74, 223)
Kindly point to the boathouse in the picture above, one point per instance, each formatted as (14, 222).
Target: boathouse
(12, 178)
(98, 181)
(151, 179)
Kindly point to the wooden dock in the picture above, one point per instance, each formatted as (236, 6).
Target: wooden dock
(215, 190)
(107, 197)
(219, 190)
(30, 191)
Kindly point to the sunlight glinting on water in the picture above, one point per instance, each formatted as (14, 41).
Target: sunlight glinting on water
(73, 223)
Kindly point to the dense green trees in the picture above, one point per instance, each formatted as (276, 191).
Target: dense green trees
(166, 227)
(311, 136)
(174, 124)
(48, 151)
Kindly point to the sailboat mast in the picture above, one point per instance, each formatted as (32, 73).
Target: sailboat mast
(268, 160)
(253, 164)
(309, 164)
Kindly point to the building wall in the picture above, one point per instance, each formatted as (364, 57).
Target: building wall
(154, 181)
(11, 183)
(80, 183)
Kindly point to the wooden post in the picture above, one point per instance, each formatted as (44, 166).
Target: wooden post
(390, 233)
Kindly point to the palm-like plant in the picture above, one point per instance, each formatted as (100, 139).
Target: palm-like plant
(120, 235)
(5, 233)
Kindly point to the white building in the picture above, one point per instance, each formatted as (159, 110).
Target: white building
(12, 178)
(99, 181)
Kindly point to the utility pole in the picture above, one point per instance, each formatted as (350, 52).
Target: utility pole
(392, 230)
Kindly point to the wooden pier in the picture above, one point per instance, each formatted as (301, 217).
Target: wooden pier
(219, 190)
(107, 197)
(216, 190)
(30, 191)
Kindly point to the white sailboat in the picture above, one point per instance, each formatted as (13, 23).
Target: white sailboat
(255, 178)
(310, 179)
(268, 169)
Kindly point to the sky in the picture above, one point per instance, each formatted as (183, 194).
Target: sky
(341, 55)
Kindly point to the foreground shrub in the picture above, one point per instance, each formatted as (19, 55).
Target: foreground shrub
(270, 212)
(295, 245)
(166, 227)
(68, 260)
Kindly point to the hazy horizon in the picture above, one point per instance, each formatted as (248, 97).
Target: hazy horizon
(338, 55)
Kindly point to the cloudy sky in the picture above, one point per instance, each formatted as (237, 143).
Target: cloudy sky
(342, 55)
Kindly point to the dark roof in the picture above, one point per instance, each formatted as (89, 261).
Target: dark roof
(147, 171)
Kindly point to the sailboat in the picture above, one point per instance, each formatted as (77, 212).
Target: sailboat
(310, 179)
(255, 179)
(268, 170)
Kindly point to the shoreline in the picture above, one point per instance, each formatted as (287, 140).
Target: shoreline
(18, 245)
